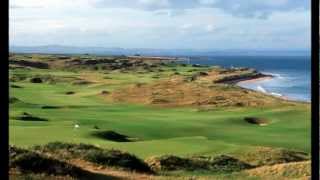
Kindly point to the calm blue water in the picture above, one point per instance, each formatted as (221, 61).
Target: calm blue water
(292, 73)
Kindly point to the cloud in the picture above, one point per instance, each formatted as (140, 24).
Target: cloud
(15, 7)
(207, 2)
(169, 12)
(260, 9)
(209, 28)
(186, 26)
(154, 4)
(161, 23)
(137, 4)
(48, 3)
(248, 8)
(23, 7)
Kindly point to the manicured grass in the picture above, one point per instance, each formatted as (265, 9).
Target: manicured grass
(78, 103)
(177, 131)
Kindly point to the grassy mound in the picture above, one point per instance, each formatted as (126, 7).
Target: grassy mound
(177, 92)
(33, 64)
(225, 163)
(35, 78)
(68, 149)
(296, 170)
(220, 163)
(117, 159)
(168, 163)
(95, 155)
(196, 76)
(47, 78)
(14, 152)
(271, 156)
(33, 176)
(32, 162)
(28, 117)
(17, 77)
(15, 86)
(13, 100)
(111, 136)
(256, 120)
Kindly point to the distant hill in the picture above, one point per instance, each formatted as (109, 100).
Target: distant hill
(58, 49)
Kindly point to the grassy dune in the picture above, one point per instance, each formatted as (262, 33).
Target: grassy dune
(154, 130)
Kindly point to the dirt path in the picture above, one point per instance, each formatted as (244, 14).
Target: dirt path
(110, 172)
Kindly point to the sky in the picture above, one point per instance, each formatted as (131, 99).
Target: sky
(162, 24)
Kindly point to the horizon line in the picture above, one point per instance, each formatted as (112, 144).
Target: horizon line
(167, 49)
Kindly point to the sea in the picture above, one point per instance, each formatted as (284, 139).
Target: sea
(292, 74)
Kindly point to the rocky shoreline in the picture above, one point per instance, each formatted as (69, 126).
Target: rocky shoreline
(245, 77)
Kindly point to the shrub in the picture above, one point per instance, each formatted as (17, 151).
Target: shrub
(118, 159)
(17, 77)
(13, 100)
(95, 155)
(270, 156)
(228, 164)
(168, 163)
(14, 152)
(69, 147)
(221, 163)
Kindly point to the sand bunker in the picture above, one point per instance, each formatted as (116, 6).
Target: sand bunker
(81, 82)
(257, 121)
(111, 136)
(105, 92)
(51, 107)
(70, 93)
(36, 80)
(28, 117)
